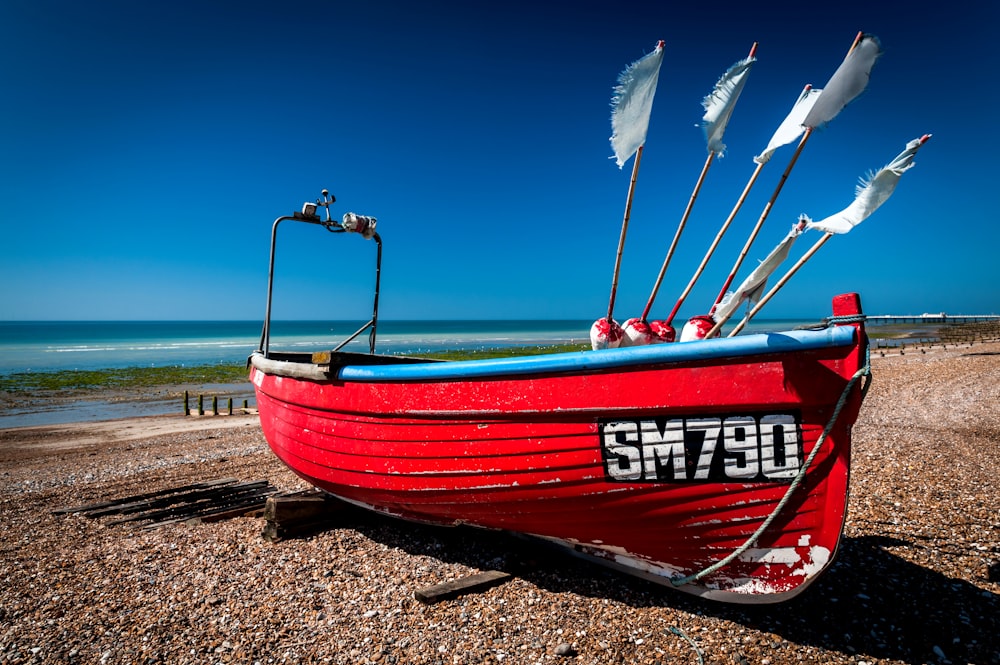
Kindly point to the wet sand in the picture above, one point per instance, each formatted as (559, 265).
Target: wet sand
(917, 579)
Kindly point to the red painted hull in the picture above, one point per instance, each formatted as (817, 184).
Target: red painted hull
(660, 468)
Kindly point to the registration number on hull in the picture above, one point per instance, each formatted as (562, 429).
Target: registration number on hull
(733, 448)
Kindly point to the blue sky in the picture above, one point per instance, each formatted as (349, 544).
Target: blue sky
(148, 146)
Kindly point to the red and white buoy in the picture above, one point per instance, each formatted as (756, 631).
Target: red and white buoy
(605, 334)
(663, 331)
(638, 333)
(697, 328)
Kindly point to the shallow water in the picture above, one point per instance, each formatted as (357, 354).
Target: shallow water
(43, 412)
(33, 346)
(55, 346)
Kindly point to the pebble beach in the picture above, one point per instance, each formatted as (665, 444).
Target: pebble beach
(917, 579)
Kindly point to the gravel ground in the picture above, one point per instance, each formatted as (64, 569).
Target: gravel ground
(917, 579)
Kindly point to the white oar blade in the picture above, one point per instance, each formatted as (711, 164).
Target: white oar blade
(719, 104)
(872, 192)
(847, 82)
(632, 104)
(791, 127)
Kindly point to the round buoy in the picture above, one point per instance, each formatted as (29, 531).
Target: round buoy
(697, 328)
(605, 334)
(638, 333)
(663, 332)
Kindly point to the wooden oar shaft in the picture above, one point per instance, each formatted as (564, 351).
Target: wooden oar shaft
(781, 282)
(857, 40)
(677, 234)
(763, 216)
(621, 237)
(715, 243)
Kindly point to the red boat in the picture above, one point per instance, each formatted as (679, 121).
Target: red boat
(718, 466)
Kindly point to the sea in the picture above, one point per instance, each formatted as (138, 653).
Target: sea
(55, 346)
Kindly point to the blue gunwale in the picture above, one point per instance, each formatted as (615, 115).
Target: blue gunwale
(585, 361)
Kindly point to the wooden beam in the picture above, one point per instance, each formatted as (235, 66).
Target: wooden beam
(142, 497)
(456, 588)
(299, 513)
(189, 498)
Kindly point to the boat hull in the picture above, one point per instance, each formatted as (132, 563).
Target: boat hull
(660, 462)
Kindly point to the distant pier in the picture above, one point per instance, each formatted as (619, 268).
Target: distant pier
(932, 318)
(928, 330)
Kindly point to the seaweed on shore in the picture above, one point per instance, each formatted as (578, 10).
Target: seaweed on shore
(130, 378)
(123, 378)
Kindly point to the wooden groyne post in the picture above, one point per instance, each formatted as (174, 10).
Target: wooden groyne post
(215, 405)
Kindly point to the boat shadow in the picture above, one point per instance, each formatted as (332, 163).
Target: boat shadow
(870, 602)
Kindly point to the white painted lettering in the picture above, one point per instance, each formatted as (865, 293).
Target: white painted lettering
(666, 447)
(724, 449)
(709, 429)
(741, 442)
(779, 446)
(623, 460)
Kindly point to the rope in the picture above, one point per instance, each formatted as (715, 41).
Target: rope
(681, 633)
(799, 477)
(845, 318)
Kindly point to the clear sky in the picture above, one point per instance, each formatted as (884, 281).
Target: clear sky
(148, 146)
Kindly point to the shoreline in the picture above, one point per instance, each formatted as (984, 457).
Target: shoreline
(112, 394)
(175, 392)
(48, 407)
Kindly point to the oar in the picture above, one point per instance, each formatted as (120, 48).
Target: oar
(846, 83)
(869, 197)
(632, 104)
(789, 130)
(719, 105)
(718, 238)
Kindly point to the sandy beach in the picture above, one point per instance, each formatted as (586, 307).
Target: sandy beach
(917, 579)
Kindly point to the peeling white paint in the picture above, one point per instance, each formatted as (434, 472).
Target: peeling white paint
(819, 557)
(620, 556)
(753, 587)
(661, 569)
(810, 564)
(772, 555)
(705, 523)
